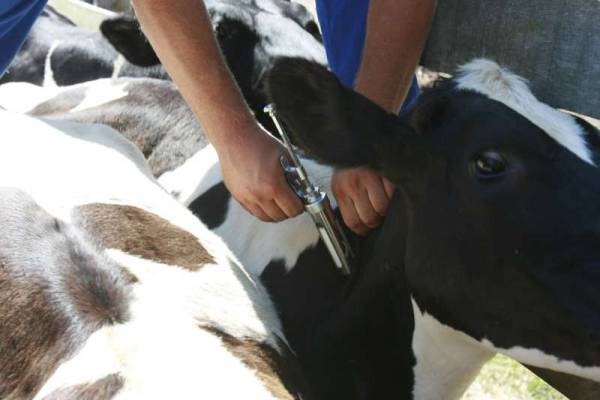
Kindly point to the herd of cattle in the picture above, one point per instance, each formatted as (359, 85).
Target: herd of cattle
(128, 271)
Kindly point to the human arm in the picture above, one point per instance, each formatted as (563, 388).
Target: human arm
(181, 34)
(395, 37)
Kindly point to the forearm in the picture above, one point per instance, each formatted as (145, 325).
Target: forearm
(395, 38)
(181, 34)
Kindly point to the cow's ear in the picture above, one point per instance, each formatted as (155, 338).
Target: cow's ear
(330, 122)
(126, 36)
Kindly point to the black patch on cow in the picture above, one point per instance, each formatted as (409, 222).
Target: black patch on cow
(352, 337)
(67, 58)
(126, 36)
(211, 207)
(55, 290)
(102, 389)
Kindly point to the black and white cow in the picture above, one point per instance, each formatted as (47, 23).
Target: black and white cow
(109, 288)
(495, 226)
(445, 283)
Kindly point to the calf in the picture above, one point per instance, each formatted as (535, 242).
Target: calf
(494, 228)
(110, 288)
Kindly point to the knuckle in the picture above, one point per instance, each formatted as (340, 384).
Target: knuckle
(380, 207)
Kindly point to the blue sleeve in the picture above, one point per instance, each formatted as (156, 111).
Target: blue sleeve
(344, 25)
(16, 19)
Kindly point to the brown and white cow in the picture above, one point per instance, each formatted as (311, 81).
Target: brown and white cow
(109, 288)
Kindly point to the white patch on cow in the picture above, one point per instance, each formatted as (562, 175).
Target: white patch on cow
(540, 359)
(488, 78)
(447, 360)
(101, 93)
(161, 352)
(118, 65)
(255, 242)
(48, 72)
(195, 176)
(23, 96)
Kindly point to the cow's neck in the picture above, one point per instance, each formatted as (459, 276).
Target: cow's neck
(444, 360)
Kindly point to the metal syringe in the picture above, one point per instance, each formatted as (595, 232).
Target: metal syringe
(316, 202)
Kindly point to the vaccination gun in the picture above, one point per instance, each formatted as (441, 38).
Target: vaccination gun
(316, 202)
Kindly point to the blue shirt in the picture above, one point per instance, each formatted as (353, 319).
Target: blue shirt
(16, 19)
(343, 25)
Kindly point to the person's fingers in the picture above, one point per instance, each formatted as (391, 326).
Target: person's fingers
(365, 210)
(388, 186)
(272, 210)
(378, 198)
(256, 210)
(287, 200)
(350, 216)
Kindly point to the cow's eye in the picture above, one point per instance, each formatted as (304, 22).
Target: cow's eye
(489, 164)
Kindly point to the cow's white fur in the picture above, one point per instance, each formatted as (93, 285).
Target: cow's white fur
(101, 92)
(161, 352)
(23, 96)
(48, 72)
(254, 241)
(447, 360)
(488, 78)
(95, 164)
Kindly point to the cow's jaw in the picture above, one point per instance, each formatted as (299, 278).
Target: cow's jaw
(447, 360)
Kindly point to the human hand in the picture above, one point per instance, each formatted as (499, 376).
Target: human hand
(363, 196)
(254, 176)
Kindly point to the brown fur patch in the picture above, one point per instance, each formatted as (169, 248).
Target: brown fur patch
(141, 233)
(31, 335)
(279, 373)
(103, 389)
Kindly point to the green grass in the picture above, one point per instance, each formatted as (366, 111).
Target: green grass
(505, 379)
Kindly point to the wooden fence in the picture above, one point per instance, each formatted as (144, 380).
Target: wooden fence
(554, 43)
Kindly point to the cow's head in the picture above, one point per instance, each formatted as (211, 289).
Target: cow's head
(503, 199)
(251, 34)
